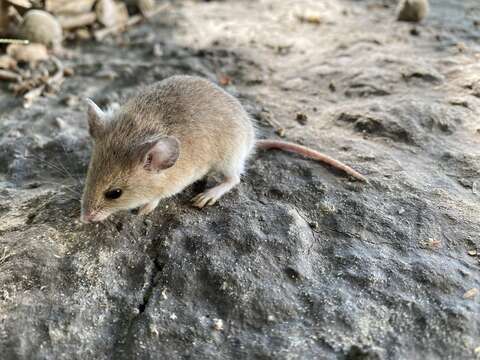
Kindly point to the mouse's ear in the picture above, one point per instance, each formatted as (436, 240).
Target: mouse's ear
(160, 154)
(96, 119)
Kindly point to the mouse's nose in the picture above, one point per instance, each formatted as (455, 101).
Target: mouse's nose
(87, 217)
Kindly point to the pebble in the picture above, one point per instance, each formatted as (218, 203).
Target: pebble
(302, 118)
(41, 27)
(470, 294)
(217, 324)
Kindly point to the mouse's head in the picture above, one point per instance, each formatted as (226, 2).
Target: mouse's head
(125, 167)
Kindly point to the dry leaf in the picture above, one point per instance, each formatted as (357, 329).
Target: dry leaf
(470, 294)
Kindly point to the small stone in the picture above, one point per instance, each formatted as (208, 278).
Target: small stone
(401, 211)
(164, 294)
(412, 10)
(311, 17)
(302, 118)
(154, 330)
(41, 27)
(60, 123)
(271, 318)
(68, 71)
(146, 6)
(217, 324)
(157, 50)
(472, 252)
(332, 86)
(107, 13)
(461, 47)
(414, 32)
(280, 132)
(470, 294)
(83, 34)
(107, 74)
(71, 100)
(173, 316)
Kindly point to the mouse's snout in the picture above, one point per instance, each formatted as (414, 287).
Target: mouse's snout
(92, 216)
(87, 217)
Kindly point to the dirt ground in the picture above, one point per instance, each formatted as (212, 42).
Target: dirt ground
(298, 262)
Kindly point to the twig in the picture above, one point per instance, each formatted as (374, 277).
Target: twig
(76, 21)
(57, 78)
(14, 41)
(52, 81)
(9, 75)
(33, 94)
(102, 33)
(21, 3)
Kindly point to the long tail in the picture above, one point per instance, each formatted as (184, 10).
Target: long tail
(309, 153)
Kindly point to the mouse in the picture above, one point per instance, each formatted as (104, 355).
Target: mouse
(170, 135)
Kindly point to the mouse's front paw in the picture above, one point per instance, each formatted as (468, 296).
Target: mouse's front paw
(147, 208)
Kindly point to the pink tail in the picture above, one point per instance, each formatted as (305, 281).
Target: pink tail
(309, 153)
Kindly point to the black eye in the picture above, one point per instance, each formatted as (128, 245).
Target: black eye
(113, 194)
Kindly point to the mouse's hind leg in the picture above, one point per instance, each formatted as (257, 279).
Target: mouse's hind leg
(211, 196)
(231, 170)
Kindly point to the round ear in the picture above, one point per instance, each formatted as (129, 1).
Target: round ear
(96, 119)
(161, 154)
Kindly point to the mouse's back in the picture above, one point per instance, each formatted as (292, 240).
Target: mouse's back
(207, 120)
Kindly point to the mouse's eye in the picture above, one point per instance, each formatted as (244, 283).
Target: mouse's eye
(113, 194)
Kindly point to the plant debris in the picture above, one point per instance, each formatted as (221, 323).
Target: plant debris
(470, 294)
(40, 32)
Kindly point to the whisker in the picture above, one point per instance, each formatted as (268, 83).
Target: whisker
(60, 168)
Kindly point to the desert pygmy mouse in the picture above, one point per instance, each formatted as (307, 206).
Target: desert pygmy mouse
(166, 138)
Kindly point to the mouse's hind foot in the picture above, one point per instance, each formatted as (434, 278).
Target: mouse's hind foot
(211, 196)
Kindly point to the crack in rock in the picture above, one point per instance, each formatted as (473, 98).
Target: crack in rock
(153, 281)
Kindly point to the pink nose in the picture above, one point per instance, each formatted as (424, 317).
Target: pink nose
(87, 217)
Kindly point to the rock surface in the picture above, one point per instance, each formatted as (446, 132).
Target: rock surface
(297, 262)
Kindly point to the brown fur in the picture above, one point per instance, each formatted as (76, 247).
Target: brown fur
(209, 123)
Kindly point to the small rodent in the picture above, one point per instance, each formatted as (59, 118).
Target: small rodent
(170, 135)
(412, 10)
